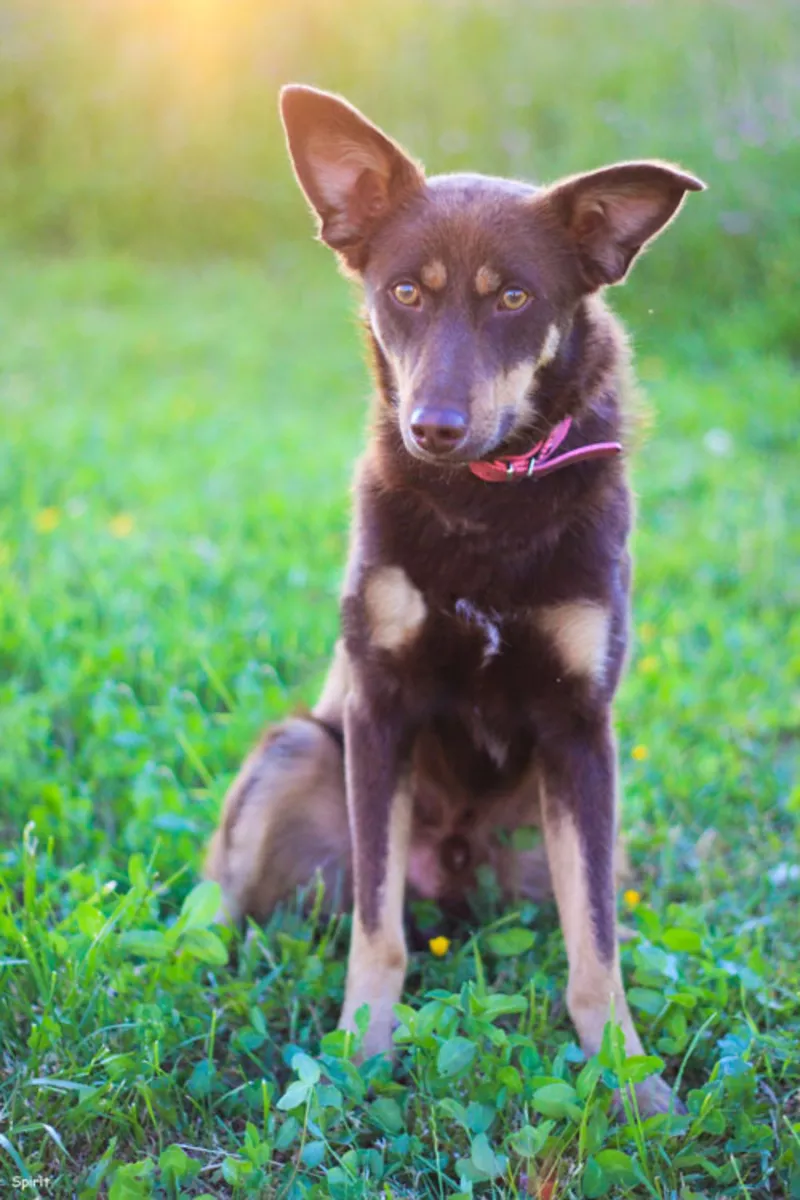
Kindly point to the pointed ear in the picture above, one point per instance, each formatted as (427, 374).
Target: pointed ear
(612, 213)
(353, 175)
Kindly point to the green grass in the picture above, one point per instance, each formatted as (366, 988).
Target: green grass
(175, 452)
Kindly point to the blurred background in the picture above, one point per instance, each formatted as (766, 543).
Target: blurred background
(182, 397)
(181, 387)
(150, 126)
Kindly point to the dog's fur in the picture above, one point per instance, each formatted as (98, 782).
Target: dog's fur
(484, 625)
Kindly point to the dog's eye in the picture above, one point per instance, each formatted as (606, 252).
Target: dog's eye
(513, 299)
(406, 293)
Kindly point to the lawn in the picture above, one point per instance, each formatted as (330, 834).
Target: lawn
(174, 462)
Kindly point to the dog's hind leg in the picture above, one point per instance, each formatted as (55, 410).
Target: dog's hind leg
(525, 874)
(284, 820)
(521, 873)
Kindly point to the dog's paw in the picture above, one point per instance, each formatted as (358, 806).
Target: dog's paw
(653, 1096)
(375, 1039)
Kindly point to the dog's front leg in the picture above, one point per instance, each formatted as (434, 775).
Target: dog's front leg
(578, 780)
(379, 811)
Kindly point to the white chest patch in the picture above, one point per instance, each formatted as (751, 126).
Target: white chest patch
(488, 624)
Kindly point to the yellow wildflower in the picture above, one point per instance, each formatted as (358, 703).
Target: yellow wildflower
(46, 520)
(649, 664)
(439, 946)
(640, 753)
(647, 631)
(632, 898)
(121, 526)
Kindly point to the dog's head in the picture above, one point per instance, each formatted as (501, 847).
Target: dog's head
(471, 283)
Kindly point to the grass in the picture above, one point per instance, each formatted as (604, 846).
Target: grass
(173, 510)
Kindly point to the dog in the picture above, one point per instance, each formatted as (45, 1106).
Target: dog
(484, 612)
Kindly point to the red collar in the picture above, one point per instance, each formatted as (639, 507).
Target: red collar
(539, 459)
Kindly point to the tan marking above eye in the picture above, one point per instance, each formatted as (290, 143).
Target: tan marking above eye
(487, 281)
(406, 293)
(513, 299)
(434, 275)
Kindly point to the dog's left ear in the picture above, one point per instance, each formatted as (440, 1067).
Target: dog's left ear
(612, 213)
(352, 174)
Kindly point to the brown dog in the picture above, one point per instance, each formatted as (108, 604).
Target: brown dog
(485, 605)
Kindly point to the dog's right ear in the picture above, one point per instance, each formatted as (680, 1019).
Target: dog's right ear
(352, 174)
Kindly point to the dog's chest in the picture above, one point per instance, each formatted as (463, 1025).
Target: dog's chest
(491, 666)
(483, 627)
(483, 662)
(494, 650)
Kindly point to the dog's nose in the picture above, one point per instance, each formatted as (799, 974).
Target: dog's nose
(438, 430)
